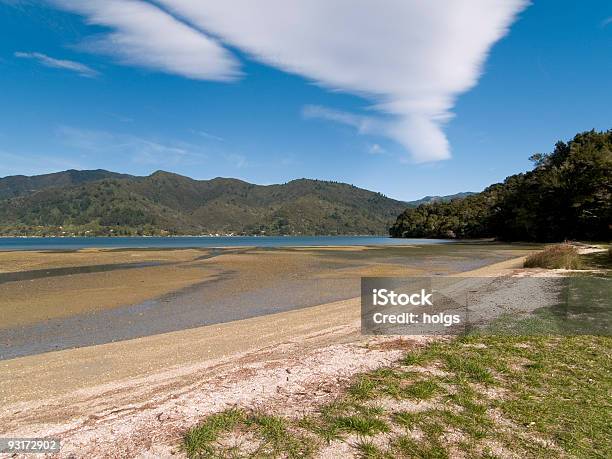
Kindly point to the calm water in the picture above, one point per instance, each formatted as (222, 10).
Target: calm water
(73, 243)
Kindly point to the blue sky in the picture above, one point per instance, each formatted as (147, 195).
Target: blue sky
(409, 98)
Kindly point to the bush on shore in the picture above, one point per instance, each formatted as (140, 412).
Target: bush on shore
(560, 256)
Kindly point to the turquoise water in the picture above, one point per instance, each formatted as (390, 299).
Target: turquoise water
(74, 243)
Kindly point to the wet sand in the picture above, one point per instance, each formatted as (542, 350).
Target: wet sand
(66, 303)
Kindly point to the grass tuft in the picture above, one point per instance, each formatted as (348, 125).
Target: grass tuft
(363, 388)
(469, 367)
(198, 440)
(408, 447)
(421, 389)
(361, 424)
(560, 256)
(272, 434)
(272, 428)
(368, 450)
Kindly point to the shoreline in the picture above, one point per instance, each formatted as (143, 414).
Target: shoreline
(203, 235)
(195, 242)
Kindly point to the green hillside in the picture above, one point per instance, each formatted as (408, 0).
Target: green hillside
(567, 195)
(106, 203)
(19, 185)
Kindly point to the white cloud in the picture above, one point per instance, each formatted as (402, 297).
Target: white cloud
(81, 69)
(144, 35)
(412, 59)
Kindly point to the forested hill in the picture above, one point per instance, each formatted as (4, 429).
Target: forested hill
(18, 185)
(567, 195)
(106, 203)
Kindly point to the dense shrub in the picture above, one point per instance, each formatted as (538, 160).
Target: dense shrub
(560, 256)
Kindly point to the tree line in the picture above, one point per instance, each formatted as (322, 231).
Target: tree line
(566, 196)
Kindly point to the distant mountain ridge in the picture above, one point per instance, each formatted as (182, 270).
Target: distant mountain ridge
(100, 202)
(447, 198)
(18, 185)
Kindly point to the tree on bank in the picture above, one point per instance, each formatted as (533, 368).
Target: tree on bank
(567, 195)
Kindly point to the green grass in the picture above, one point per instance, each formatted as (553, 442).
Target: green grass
(270, 435)
(421, 390)
(199, 440)
(411, 448)
(533, 396)
(473, 367)
(360, 424)
(554, 257)
(336, 420)
(598, 260)
(363, 388)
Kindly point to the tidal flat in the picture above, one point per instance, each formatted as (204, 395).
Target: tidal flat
(53, 300)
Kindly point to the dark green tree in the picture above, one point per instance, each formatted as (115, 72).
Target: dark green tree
(567, 195)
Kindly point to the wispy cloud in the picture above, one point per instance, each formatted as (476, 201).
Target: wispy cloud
(237, 160)
(376, 149)
(137, 149)
(606, 22)
(65, 64)
(367, 125)
(144, 35)
(32, 164)
(208, 135)
(363, 124)
(120, 117)
(289, 160)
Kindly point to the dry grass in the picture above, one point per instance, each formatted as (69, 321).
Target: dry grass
(560, 256)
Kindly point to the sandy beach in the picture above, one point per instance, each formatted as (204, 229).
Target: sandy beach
(156, 385)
